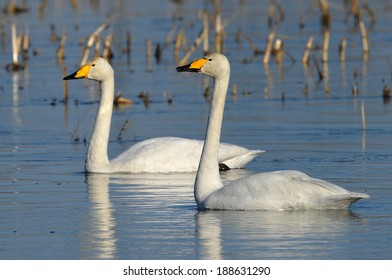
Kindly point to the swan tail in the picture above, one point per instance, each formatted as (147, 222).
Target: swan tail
(241, 160)
(343, 201)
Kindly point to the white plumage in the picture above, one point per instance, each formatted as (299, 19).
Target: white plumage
(279, 190)
(161, 154)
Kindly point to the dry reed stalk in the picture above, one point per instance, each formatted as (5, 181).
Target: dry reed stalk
(271, 13)
(97, 48)
(234, 90)
(268, 47)
(204, 14)
(195, 45)
(326, 36)
(60, 50)
(355, 89)
(177, 46)
(157, 53)
(325, 14)
(107, 51)
(356, 11)
(41, 9)
(146, 100)
(168, 40)
(91, 41)
(25, 45)
(301, 23)
(15, 45)
(279, 7)
(122, 129)
(218, 33)
(364, 36)
(13, 9)
(206, 94)
(306, 89)
(370, 12)
(128, 47)
(65, 86)
(207, 91)
(120, 101)
(308, 48)
(272, 8)
(253, 46)
(386, 92)
(19, 42)
(292, 58)
(184, 42)
(148, 55)
(342, 50)
(278, 51)
(237, 36)
(75, 135)
(53, 36)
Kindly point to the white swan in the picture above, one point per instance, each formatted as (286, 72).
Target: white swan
(162, 154)
(280, 190)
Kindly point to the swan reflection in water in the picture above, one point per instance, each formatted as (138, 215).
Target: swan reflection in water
(136, 205)
(100, 240)
(153, 216)
(309, 234)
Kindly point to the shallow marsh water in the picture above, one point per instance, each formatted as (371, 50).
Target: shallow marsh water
(49, 209)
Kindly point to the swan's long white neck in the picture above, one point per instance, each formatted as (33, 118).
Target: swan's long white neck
(208, 178)
(97, 154)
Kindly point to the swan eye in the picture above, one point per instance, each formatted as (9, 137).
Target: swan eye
(210, 59)
(93, 65)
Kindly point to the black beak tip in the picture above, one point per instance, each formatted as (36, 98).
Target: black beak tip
(69, 77)
(181, 68)
(72, 77)
(186, 68)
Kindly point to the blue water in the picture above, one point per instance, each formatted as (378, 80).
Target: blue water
(49, 209)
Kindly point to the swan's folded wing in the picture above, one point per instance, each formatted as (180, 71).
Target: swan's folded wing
(175, 154)
(234, 156)
(161, 154)
(281, 190)
(339, 197)
(343, 201)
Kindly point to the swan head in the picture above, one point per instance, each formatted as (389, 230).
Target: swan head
(215, 65)
(98, 69)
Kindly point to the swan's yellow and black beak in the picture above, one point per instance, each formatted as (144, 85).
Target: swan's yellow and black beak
(80, 74)
(195, 66)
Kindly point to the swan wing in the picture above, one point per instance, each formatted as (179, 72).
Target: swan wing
(175, 154)
(234, 156)
(280, 190)
(162, 154)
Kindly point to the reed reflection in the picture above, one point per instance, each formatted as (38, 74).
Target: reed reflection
(15, 98)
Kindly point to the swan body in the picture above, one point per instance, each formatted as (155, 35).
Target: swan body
(174, 154)
(279, 190)
(161, 154)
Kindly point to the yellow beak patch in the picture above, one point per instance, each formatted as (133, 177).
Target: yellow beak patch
(198, 64)
(82, 72)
